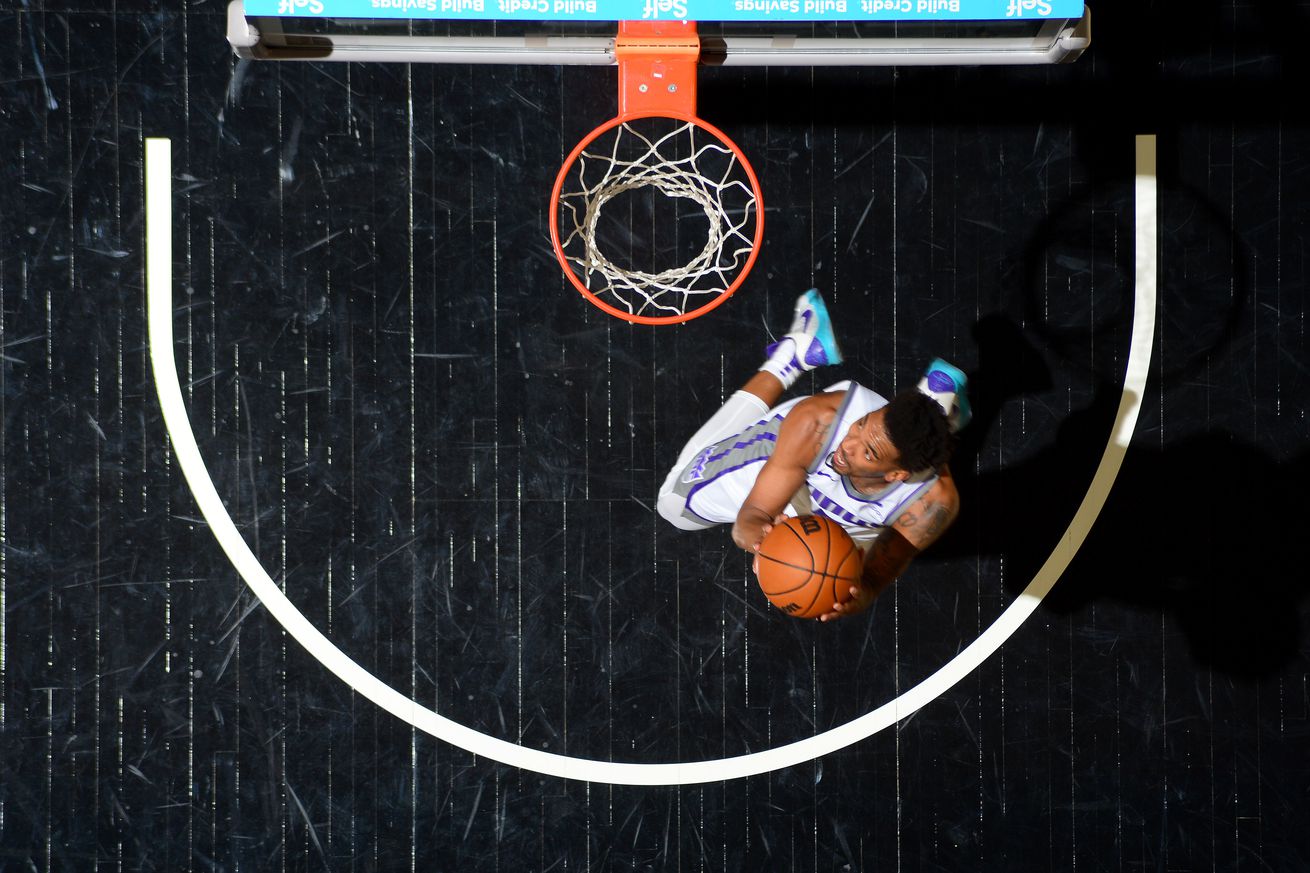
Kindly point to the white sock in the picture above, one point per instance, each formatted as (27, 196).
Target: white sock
(783, 364)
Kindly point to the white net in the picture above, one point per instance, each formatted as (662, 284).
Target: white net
(657, 216)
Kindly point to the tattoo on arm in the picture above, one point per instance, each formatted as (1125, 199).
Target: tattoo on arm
(879, 564)
(928, 524)
(894, 550)
(938, 519)
(888, 557)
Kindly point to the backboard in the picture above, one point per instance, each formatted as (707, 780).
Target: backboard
(732, 32)
(656, 163)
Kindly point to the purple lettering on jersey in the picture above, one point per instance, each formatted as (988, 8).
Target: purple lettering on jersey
(833, 510)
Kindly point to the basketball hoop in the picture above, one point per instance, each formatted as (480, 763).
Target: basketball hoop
(656, 216)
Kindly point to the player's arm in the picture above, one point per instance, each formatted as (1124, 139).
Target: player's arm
(783, 473)
(918, 527)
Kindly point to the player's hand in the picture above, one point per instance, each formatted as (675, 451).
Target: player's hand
(755, 546)
(859, 601)
(767, 528)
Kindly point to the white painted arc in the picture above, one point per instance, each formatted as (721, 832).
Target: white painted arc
(160, 328)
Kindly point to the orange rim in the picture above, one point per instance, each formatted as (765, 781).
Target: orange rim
(624, 314)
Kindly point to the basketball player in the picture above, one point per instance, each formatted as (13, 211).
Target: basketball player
(877, 467)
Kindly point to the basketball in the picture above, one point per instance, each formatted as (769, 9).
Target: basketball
(807, 564)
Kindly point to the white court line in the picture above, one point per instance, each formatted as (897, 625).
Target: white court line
(159, 287)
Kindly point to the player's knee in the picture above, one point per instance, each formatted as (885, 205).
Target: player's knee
(671, 507)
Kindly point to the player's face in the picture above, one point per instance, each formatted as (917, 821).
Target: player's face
(867, 453)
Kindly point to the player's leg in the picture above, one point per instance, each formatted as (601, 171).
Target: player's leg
(948, 385)
(810, 334)
(808, 344)
(740, 411)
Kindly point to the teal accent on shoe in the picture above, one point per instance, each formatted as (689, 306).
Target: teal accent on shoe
(823, 332)
(966, 413)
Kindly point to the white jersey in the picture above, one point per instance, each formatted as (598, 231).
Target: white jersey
(717, 480)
